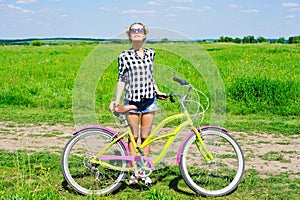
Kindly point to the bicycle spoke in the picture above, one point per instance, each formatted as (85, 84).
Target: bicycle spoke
(87, 177)
(212, 179)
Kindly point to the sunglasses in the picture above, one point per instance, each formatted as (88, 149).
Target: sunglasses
(137, 30)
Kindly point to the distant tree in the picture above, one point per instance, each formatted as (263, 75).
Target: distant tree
(281, 40)
(290, 40)
(252, 39)
(221, 39)
(124, 41)
(249, 39)
(225, 39)
(164, 40)
(237, 40)
(228, 39)
(37, 43)
(294, 40)
(246, 40)
(261, 39)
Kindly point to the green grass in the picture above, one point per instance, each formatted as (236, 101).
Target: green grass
(259, 78)
(39, 77)
(261, 83)
(25, 175)
(274, 156)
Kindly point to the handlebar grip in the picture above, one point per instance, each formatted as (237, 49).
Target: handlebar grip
(180, 81)
(171, 98)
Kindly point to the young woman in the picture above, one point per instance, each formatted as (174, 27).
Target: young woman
(137, 79)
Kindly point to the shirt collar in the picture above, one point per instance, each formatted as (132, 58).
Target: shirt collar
(146, 52)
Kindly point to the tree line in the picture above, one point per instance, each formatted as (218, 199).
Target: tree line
(251, 40)
(55, 41)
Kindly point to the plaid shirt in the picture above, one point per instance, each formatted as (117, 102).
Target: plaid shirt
(137, 73)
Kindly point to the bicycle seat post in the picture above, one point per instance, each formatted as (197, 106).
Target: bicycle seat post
(125, 120)
(142, 155)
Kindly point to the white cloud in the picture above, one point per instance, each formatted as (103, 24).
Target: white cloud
(108, 9)
(183, 1)
(181, 8)
(188, 9)
(295, 9)
(171, 15)
(18, 9)
(290, 4)
(64, 16)
(250, 11)
(133, 11)
(26, 1)
(154, 3)
(205, 8)
(233, 6)
(289, 17)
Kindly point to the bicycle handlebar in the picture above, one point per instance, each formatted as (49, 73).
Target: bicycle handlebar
(181, 81)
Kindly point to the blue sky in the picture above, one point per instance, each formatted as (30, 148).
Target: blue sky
(198, 19)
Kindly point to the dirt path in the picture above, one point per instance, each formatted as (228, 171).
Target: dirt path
(266, 153)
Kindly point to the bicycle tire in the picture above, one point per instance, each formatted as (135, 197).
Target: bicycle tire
(80, 174)
(220, 178)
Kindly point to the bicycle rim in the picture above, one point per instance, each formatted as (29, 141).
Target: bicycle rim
(84, 177)
(216, 179)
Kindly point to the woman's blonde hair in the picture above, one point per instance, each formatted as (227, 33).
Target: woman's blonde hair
(129, 28)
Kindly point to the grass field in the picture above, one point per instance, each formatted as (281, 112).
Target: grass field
(258, 86)
(261, 82)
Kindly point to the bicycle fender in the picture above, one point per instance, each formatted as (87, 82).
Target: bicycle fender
(105, 129)
(189, 135)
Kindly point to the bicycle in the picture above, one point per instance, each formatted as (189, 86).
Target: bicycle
(97, 160)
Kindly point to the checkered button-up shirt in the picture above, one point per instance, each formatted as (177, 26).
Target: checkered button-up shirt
(137, 73)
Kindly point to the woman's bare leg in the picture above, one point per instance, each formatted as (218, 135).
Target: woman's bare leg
(133, 120)
(146, 126)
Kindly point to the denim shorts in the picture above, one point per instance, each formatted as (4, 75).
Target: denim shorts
(144, 106)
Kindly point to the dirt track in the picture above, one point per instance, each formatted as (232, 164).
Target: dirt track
(266, 153)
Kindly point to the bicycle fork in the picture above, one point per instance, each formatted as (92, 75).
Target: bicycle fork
(209, 158)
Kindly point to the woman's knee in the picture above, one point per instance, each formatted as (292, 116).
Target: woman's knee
(135, 139)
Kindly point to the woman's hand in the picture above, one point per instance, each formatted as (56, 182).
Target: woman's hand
(112, 106)
(120, 108)
(161, 95)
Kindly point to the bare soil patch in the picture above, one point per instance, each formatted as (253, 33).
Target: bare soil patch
(269, 154)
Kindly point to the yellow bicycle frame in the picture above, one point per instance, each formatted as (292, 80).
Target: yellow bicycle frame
(150, 139)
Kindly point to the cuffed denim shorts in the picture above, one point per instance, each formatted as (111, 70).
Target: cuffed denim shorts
(144, 106)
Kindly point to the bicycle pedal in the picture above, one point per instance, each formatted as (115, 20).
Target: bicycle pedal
(149, 185)
(147, 181)
(133, 180)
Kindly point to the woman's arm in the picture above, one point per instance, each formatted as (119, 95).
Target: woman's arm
(119, 91)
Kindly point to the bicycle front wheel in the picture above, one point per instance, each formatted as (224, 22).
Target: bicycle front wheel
(212, 179)
(86, 177)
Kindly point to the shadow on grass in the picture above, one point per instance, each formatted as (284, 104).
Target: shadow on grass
(171, 176)
(165, 175)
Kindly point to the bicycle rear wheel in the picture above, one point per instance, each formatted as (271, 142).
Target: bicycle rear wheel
(81, 174)
(212, 179)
